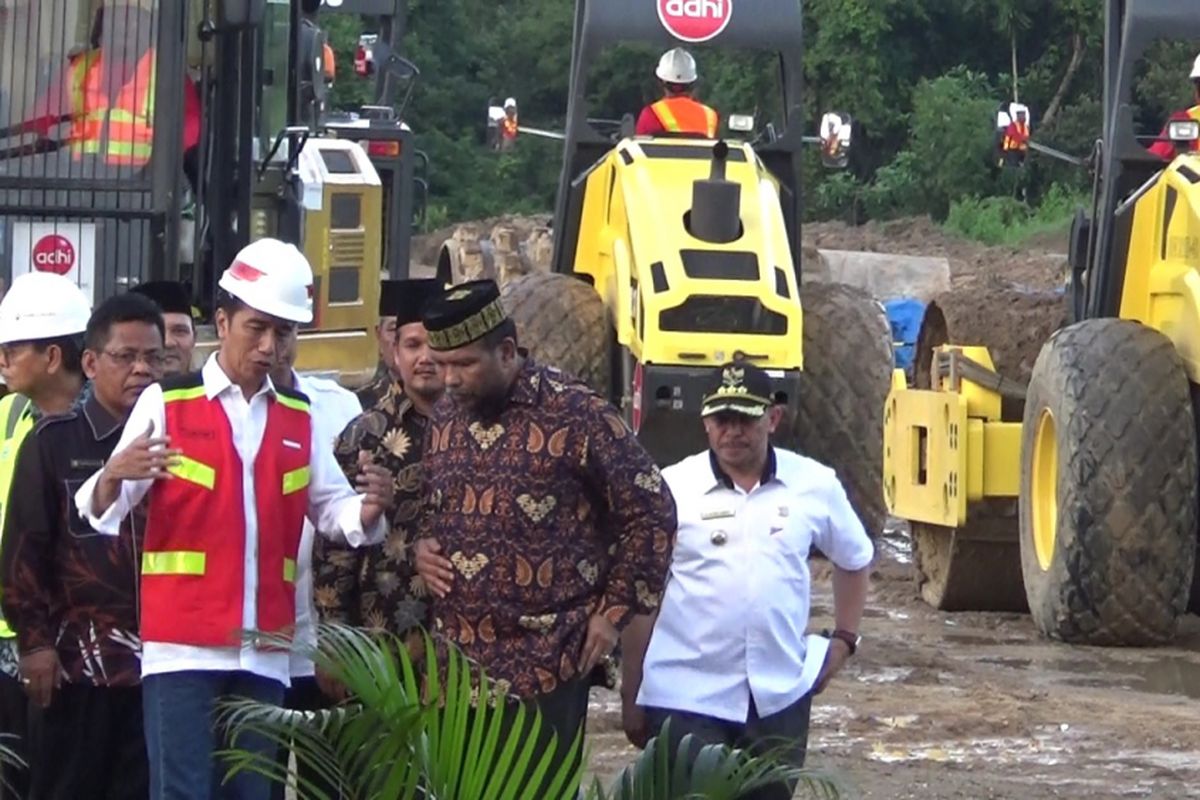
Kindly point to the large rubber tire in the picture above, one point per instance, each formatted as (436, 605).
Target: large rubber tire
(563, 323)
(848, 363)
(1108, 486)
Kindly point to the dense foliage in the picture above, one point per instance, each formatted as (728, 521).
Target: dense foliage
(922, 77)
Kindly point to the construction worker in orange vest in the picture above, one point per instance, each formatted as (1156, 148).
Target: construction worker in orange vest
(1014, 144)
(1166, 149)
(678, 111)
(510, 127)
(107, 91)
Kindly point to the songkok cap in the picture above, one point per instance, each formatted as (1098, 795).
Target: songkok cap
(404, 300)
(743, 389)
(463, 314)
(172, 297)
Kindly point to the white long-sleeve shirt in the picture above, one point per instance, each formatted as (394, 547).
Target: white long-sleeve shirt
(333, 408)
(333, 506)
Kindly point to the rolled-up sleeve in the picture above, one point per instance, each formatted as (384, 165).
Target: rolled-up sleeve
(334, 508)
(842, 538)
(148, 414)
(641, 513)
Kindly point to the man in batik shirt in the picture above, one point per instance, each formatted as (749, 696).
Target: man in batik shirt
(390, 295)
(548, 525)
(376, 587)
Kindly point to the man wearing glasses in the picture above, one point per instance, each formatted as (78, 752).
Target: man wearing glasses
(70, 592)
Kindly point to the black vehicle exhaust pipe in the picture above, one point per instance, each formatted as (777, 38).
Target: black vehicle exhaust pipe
(716, 203)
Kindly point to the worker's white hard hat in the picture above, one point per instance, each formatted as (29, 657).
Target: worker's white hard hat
(510, 103)
(272, 277)
(1196, 69)
(42, 305)
(676, 66)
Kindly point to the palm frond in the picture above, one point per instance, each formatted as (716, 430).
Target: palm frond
(402, 736)
(716, 772)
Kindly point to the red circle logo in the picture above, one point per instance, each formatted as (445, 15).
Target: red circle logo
(695, 20)
(55, 254)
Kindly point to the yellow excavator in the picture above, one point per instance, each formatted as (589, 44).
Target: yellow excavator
(675, 254)
(1056, 468)
(236, 143)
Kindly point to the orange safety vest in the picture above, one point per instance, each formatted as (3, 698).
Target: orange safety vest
(193, 566)
(685, 115)
(510, 127)
(129, 120)
(1012, 143)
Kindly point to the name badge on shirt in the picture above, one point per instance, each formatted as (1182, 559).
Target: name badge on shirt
(291, 444)
(720, 513)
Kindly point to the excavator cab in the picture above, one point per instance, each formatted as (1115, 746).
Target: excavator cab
(144, 140)
(1046, 457)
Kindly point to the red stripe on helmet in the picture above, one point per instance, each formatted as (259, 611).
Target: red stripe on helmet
(244, 272)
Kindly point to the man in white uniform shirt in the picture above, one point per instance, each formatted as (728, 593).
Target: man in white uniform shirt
(229, 467)
(726, 658)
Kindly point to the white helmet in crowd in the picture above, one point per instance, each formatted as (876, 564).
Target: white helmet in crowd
(272, 277)
(1196, 69)
(676, 66)
(42, 305)
(510, 103)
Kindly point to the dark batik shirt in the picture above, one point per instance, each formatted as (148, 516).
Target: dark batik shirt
(377, 390)
(377, 586)
(550, 512)
(65, 585)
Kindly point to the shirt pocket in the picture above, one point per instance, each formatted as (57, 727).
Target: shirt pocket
(77, 526)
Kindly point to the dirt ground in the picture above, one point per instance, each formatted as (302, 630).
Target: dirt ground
(980, 706)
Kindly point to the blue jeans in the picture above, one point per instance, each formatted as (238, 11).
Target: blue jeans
(179, 710)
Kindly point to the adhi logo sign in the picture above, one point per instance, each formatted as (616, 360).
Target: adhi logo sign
(695, 20)
(54, 253)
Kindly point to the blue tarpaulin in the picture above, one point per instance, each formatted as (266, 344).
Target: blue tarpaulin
(905, 315)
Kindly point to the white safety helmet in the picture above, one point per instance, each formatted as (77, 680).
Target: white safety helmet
(510, 103)
(676, 66)
(272, 277)
(1196, 69)
(42, 305)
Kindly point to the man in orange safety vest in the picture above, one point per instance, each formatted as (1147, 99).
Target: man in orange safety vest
(678, 112)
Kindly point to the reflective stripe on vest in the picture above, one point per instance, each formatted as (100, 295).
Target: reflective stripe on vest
(130, 119)
(191, 470)
(189, 562)
(176, 562)
(296, 480)
(685, 115)
(16, 416)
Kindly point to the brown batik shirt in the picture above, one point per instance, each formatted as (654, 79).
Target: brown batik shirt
(65, 585)
(550, 512)
(377, 586)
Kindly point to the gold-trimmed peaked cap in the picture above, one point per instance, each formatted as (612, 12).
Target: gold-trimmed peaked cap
(463, 314)
(741, 388)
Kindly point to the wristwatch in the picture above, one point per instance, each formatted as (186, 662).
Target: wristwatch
(851, 639)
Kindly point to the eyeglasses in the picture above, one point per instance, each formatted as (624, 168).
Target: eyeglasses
(127, 358)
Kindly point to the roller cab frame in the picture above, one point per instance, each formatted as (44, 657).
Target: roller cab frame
(1108, 409)
(681, 301)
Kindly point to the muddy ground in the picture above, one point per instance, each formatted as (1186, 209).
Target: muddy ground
(980, 706)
